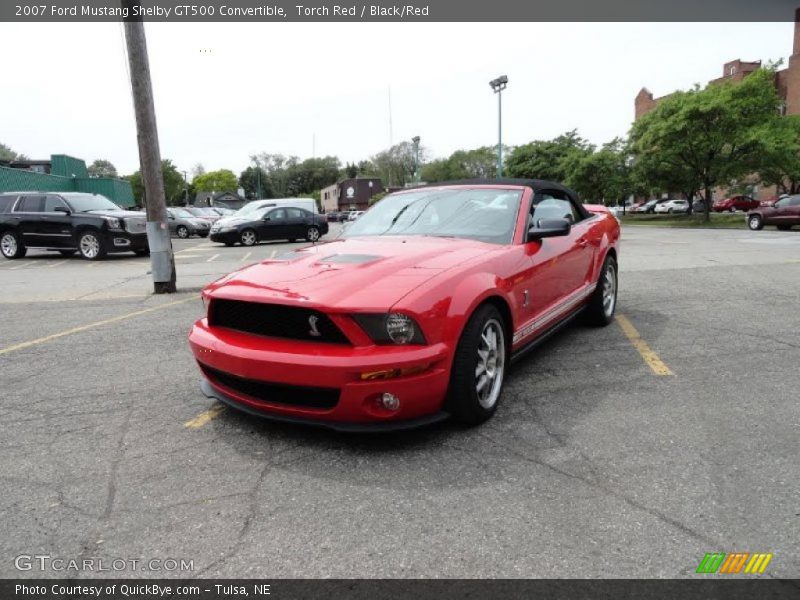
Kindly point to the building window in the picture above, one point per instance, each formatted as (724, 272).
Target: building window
(732, 70)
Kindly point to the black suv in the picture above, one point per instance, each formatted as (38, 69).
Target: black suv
(68, 222)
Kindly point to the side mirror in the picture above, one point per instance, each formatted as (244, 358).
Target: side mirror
(549, 228)
(62, 209)
(266, 218)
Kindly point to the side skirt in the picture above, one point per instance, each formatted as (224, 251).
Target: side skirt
(545, 335)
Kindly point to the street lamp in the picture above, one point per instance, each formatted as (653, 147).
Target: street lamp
(415, 139)
(498, 85)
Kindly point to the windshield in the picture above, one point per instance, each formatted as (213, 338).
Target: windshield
(90, 202)
(182, 214)
(782, 202)
(487, 215)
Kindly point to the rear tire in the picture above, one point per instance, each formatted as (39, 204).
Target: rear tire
(11, 245)
(603, 304)
(478, 373)
(312, 235)
(90, 245)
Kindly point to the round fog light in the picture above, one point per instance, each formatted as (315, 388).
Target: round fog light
(390, 401)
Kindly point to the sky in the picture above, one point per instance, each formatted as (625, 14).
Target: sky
(226, 91)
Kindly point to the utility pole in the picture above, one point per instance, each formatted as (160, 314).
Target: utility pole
(162, 259)
(185, 190)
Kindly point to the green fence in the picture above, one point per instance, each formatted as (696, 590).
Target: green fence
(19, 180)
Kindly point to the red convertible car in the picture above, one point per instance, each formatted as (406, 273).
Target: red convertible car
(416, 313)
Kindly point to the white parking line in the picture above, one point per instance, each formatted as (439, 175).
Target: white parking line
(213, 258)
(58, 262)
(274, 252)
(246, 256)
(23, 265)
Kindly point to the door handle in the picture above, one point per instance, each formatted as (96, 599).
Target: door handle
(583, 242)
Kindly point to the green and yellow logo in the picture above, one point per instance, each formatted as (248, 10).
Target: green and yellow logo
(736, 562)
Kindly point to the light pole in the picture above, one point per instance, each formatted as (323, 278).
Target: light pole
(185, 190)
(258, 180)
(498, 85)
(415, 139)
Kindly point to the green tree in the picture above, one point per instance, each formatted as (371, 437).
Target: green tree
(223, 180)
(312, 174)
(102, 168)
(780, 160)
(173, 184)
(604, 175)
(254, 178)
(277, 167)
(351, 170)
(395, 165)
(711, 135)
(7, 153)
(548, 159)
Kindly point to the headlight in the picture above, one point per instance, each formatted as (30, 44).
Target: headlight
(113, 223)
(393, 328)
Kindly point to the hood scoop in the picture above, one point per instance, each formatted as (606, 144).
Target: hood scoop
(350, 259)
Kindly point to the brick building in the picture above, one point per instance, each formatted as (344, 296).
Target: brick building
(787, 84)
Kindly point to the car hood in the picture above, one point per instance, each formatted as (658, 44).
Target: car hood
(367, 274)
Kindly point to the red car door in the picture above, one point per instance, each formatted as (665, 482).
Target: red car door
(555, 275)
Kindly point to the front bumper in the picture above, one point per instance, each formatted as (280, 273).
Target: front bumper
(285, 362)
(227, 237)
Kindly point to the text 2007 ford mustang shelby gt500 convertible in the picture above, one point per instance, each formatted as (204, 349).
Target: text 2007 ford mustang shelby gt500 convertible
(416, 313)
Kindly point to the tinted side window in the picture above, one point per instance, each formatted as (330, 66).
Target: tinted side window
(51, 202)
(296, 213)
(31, 204)
(6, 202)
(277, 214)
(795, 201)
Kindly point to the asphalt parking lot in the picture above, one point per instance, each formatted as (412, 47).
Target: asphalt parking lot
(628, 451)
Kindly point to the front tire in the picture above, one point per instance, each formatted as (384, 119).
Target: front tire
(476, 380)
(90, 245)
(603, 304)
(248, 237)
(182, 232)
(755, 223)
(11, 245)
(733, 209)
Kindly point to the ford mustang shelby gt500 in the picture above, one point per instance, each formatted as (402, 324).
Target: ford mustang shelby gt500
(415, 314)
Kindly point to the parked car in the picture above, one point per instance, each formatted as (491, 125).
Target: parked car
(270, 223)
(650, 206)
(203, 212)
(222, 211)
(336, 216)
(772, 200)
(735, 203)
(184, 224)
(68, 222)
(634, 208)
(355, 215)
(698, 206)
(416, 314)
(783, 214)
(672, 206)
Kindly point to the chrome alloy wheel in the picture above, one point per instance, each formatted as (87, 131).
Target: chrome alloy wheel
(90, 245)
(248, 237)
(609, 290)
(313, 234)
(491, 364)
(8, 244)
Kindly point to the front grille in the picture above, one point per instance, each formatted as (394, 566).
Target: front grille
(275, 320)
(135, 225)
(277, 393)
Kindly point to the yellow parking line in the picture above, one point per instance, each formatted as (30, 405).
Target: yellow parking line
(213, 258)
(650, 357)
(61, 334)
(205, 416)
